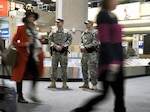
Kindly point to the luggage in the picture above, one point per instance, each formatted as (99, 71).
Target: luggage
(8, 95)
(8, 99)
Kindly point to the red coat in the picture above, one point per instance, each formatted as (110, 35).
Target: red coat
(19, 70)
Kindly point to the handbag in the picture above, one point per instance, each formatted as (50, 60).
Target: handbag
(10, 56)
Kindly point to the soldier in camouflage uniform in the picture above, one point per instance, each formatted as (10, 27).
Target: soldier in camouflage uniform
(59, 40)
(89, 47)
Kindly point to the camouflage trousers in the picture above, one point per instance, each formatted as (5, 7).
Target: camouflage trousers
(63, 60)
(89, 64)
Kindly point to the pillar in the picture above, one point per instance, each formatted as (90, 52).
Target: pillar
(74, 13)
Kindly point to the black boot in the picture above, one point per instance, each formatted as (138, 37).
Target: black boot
(123, 109)
(22, 100)
(82, 109)
(20, 94)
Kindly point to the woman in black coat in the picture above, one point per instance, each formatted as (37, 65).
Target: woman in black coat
(110, 58)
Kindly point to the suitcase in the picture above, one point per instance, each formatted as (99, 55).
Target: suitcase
(8, 102)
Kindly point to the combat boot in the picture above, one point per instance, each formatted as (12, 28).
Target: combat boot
(64, 85)
(84, 86)
(94, 87)
(52, 85)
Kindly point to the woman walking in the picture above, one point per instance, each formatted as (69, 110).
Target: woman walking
(110, 58)
(30, 56)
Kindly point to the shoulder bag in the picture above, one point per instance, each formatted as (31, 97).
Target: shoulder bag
(10, 56)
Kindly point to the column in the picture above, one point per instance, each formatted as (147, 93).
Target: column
(74, 13)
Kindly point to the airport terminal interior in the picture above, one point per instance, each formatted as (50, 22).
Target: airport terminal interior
(136, 28)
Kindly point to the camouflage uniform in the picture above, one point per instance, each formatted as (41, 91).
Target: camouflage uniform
(64, 39)
(89, 59)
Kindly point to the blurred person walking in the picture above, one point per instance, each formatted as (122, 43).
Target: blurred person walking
(59, 41)
(110, 58)
(89, 47)
(131, 52)
(30, 56)
(2, 47)
(3, 51)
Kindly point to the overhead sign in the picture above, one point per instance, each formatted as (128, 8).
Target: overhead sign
(128, 11)
(92, 13)
(3, 8)
(145, 9)
(5, 33)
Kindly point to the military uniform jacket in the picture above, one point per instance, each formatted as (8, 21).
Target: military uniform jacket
(62, 38)
(89, 39)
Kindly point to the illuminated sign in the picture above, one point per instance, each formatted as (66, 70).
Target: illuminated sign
(92, 13)
(5, 33)
(3, 8)
(128, 11)
(123, 11)
(145, 9)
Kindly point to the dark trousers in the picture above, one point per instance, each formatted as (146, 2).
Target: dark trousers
(32, 67)
(118, 89)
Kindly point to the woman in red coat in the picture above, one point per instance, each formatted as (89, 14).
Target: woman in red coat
(30, 55)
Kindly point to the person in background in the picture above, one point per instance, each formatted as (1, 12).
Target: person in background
(27, 42)
(2, 48)
(110, 59)
(131, 51)
(89, 47)
(59, 41)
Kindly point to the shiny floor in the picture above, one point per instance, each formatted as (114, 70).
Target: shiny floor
(137, 97)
